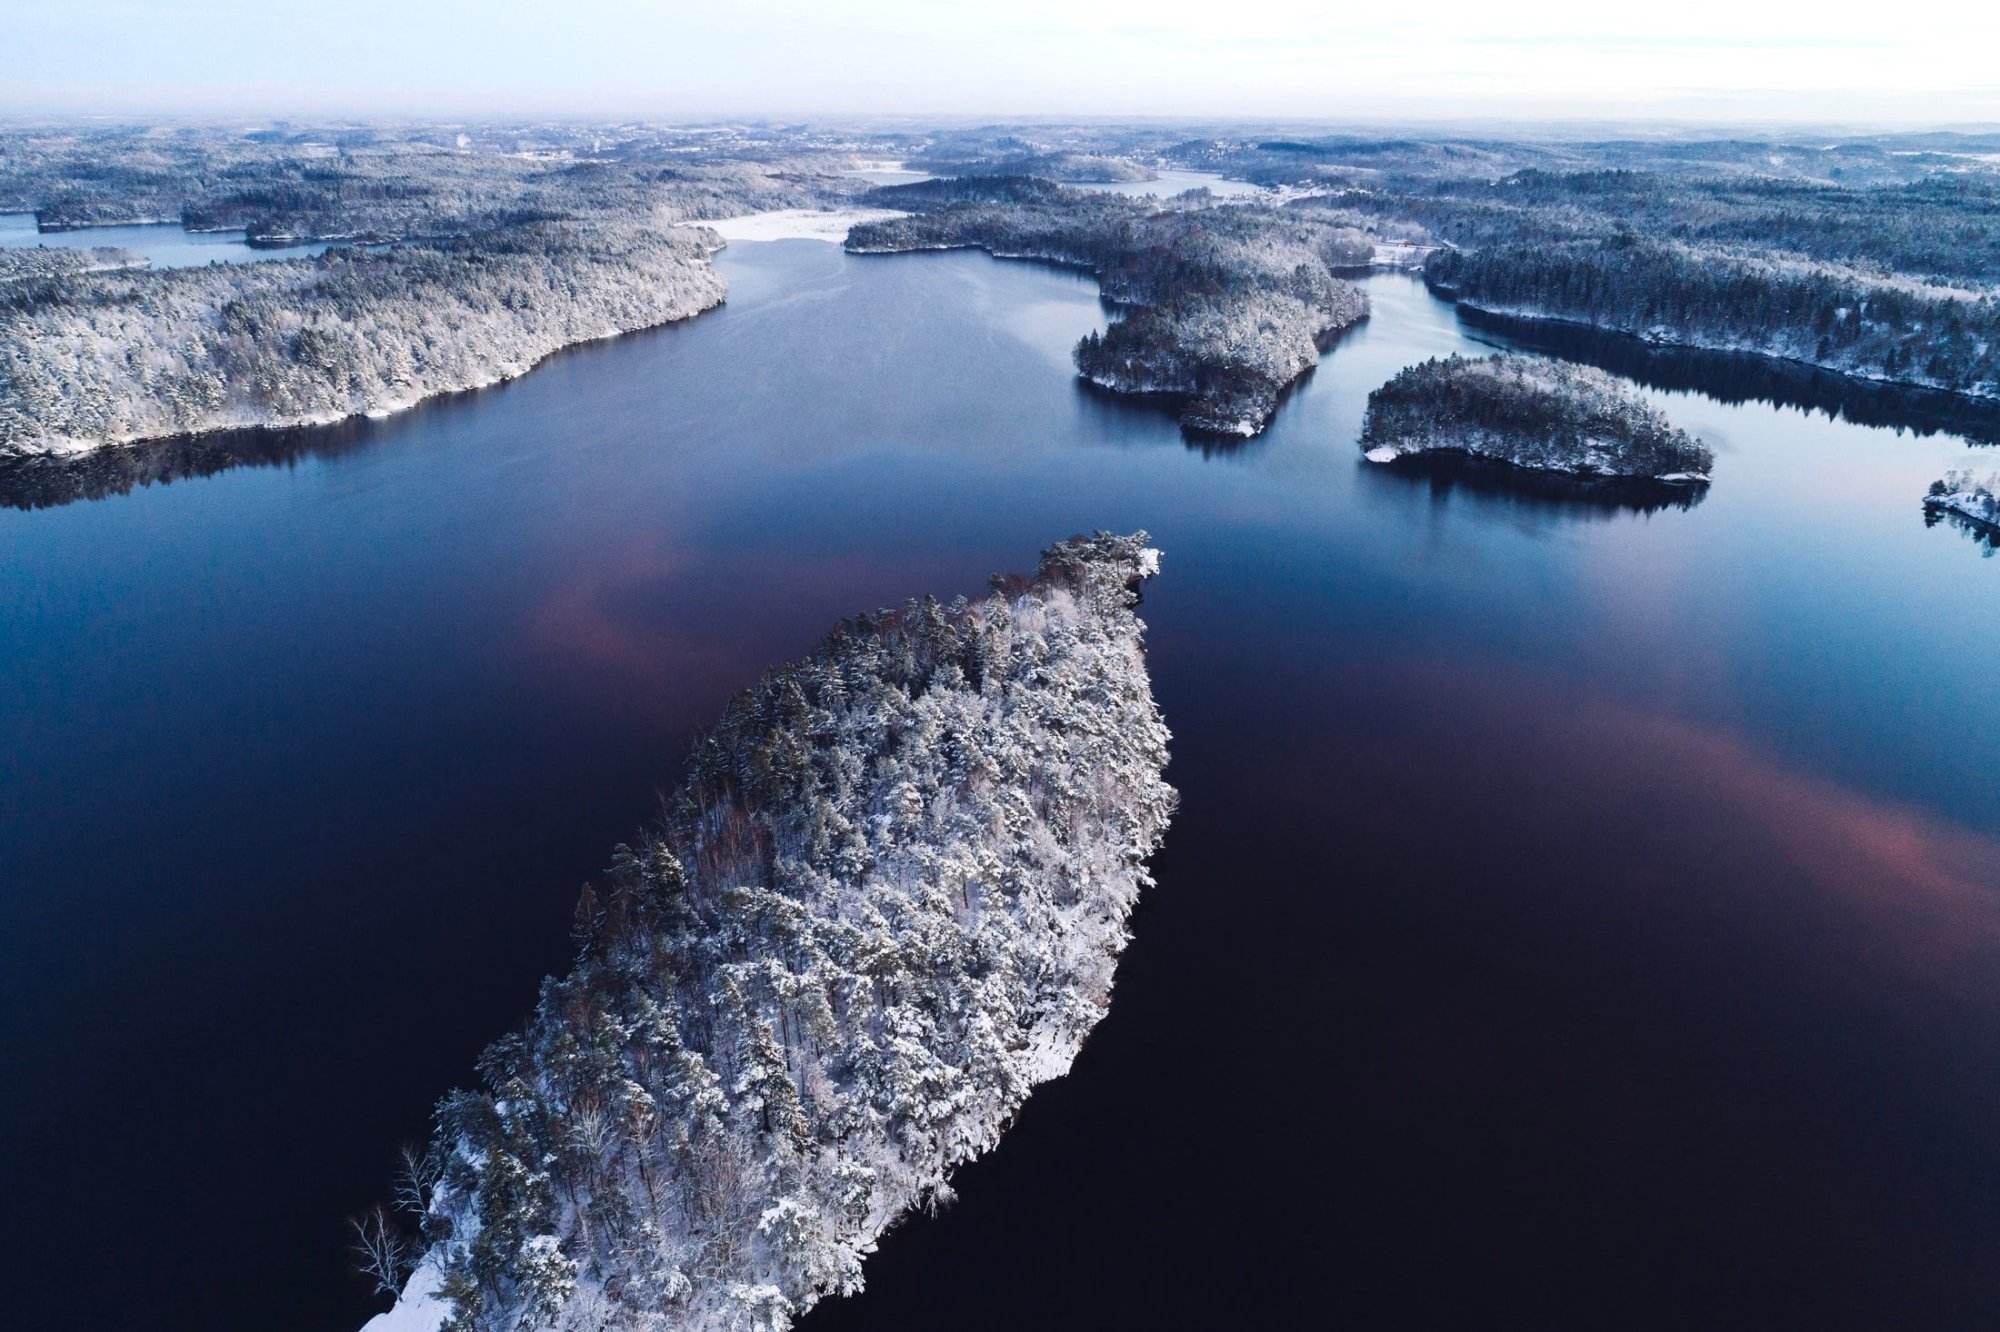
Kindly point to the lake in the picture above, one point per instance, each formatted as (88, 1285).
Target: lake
(165, 244)
(1578, 914)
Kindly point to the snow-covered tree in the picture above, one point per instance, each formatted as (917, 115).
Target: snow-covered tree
(887, 901)
(1533, 413)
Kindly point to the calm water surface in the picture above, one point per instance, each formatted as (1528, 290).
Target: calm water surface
(164, 243)
(1578, 916)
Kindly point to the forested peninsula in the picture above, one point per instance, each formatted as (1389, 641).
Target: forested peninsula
(470, 261)
(107, 357)
(888, 900)
(1222, 307)
(1837, 317)
(1530, 413)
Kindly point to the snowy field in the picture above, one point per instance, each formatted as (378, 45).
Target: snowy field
(796, 224)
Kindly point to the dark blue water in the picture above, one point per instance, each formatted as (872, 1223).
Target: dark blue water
(164, 244)
(1579, 915)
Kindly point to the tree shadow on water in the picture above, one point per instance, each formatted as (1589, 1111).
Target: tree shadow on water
(1447, 474)
(1985, 536)
(1738, 377)
(47, 481)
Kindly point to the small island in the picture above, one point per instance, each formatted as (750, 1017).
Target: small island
(1974, 502)
(1530, 413)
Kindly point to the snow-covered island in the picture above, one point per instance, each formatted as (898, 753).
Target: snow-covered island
(1527, 412)
(310, 341)
(1964, 497)
(887, 902)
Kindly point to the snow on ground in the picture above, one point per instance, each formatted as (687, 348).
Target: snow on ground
(1402, 254)
(887, 172)
(796, 224)
(419, 1309)
(1978, 501)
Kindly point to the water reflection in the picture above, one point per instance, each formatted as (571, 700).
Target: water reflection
(1555, 493)
(1985, 537)
(1734, 378)
(48, 481)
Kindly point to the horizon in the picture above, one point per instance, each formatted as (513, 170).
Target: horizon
(1706, 64)
(1554, 128)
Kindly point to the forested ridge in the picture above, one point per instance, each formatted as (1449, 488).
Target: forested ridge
(1531, 413)
(886, 902)
(1840, 318)
(1224, 305)
(399, 183)
(1895, 282)
(25, 264)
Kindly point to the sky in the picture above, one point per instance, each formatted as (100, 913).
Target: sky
(1915, 62)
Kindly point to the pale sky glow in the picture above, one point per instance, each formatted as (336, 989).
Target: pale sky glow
(1921, 62)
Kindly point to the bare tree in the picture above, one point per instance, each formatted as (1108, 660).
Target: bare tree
(417, 1173)
(380, 1252)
